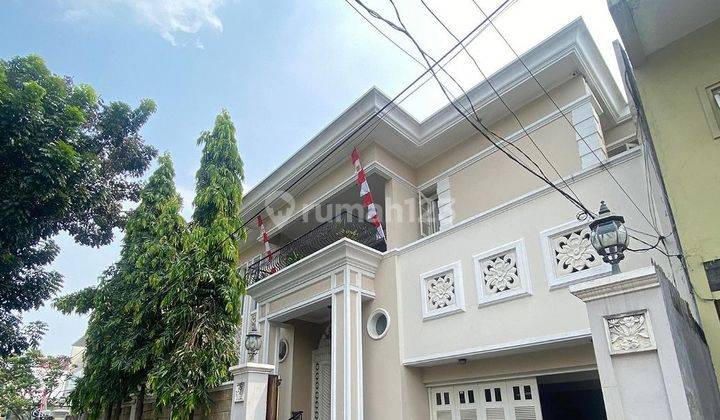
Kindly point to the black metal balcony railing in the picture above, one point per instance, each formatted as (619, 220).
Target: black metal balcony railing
(344, 225)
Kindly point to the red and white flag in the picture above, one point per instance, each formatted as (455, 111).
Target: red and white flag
(266, 241)
(366, 195)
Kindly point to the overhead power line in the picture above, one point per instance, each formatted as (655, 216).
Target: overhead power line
(363, 126)
(403, 29)
(442, 68)
(602, 164)
(497, 94)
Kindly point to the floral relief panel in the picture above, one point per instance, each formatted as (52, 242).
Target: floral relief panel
(442, 291)
(574, 252)
(629, 333)
(501, 273)
(571, 255)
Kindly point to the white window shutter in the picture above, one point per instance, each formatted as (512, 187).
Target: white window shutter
(426, 216)
(494, 397)
(524, 400)
(442, 402)
(445, 210)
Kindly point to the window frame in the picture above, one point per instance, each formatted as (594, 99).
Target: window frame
(370, 326)
(708, 93)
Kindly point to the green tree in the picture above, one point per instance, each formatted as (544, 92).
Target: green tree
(104, 384)
(203, 302)
(127, 319)
(29, 379)
(67, 163)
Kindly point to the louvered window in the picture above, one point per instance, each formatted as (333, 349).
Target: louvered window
(507, 400)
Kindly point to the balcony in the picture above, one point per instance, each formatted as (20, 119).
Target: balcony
(344, 225)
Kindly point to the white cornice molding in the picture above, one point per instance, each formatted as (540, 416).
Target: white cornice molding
(518, 346)
(618, 284)
(344, 252)
(511, 138)
(525, 198)
(572, 42)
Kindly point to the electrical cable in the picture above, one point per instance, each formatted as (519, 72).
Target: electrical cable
(568, 120)
(401, 28)
(495, 91)
(451, 97)
(364, 124)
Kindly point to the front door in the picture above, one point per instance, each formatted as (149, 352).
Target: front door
(321, 392)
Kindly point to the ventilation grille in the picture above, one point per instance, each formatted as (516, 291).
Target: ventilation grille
(525, 413)
(495, 413)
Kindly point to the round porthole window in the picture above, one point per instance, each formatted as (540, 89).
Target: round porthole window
(282, 350)
(378, 324)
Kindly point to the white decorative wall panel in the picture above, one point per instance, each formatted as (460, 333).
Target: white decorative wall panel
(569, 255)
(502, 273)
(442, 291)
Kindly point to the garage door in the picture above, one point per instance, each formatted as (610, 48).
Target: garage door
(505, 400)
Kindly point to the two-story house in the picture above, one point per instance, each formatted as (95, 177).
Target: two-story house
(486, 299)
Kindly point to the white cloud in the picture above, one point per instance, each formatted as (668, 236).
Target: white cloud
(167, 17)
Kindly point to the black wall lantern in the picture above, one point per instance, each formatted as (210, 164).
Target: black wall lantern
(253, 342)
(609, 236)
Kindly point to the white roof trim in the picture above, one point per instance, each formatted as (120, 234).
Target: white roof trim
(572, 42)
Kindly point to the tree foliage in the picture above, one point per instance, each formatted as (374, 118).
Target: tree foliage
(29, 379)
(203, 300)
(67, 163)
(126, 317)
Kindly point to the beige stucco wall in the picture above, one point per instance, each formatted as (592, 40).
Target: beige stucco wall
(621, 132)
(401, 214)
(481, 186)
(669, 81)
(545, 313)
(530, 113)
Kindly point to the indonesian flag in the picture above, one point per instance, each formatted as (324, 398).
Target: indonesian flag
(265, 240)
(365, 194)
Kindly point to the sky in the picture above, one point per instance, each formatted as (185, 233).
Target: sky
(284, 69)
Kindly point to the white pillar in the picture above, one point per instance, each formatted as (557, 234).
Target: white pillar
(250, 389)
(346, 336)
(651, 356)
(588, 134)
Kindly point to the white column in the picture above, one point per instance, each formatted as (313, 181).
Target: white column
(588, 134)
(346, 336)
(250, 388)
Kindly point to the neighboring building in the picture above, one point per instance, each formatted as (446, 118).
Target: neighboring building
(487, 300)
(77, 363)
(674, 51)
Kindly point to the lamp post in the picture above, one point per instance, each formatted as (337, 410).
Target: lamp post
(253, 342)
(609, 237)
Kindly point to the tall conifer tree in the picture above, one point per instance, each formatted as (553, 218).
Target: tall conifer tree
(203, 303)
(127, 317)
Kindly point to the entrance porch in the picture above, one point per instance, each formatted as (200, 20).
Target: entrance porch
(309, 315)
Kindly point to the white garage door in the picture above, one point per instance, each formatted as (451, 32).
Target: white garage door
(506, 400)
